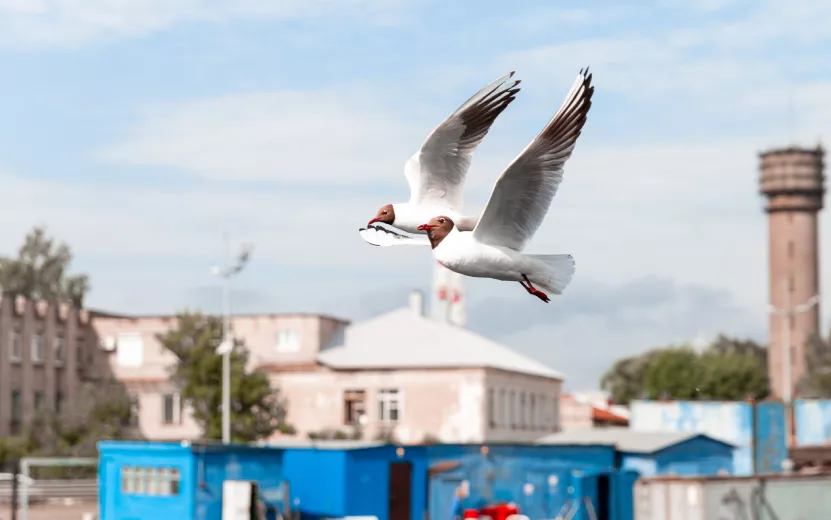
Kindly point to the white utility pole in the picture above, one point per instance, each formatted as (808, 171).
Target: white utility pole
(227, 344)
(788, 313)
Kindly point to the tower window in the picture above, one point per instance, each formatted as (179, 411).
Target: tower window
(790, 248)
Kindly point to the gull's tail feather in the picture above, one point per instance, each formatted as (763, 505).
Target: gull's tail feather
(556, 273)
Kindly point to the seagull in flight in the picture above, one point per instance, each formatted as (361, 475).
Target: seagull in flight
(518, 204)
(436, 173)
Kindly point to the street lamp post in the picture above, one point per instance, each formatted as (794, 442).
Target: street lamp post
(788, 313)
(227, 344)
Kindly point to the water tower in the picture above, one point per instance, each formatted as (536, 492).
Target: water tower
(792, 180)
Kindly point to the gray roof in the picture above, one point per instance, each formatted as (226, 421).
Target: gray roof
(405, 339)
(333, 444)
(624, 439)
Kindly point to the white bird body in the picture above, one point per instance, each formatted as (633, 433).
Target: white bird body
(518, 204)
(460, 252)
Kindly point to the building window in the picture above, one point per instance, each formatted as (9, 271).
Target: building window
(502, 420)
(790, 248)
(354, 406)
(38, 400)
(17, 406)
(151, 481)
(172, 408)
(389, 405)
(513, 407)
(287, 341)
(58, 401)
(532, 411)
(15, 346)
(542, 408)
(491, 411)
(522, 416)
(555, 413)
(38, 346)
(59, 349)
(129, 350)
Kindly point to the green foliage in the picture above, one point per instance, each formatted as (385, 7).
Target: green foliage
(816, 382)
(624, 380)
(257, 411)
(334, 434)
(99, 411)
(729, 369)
(40, 271)
(673, 373)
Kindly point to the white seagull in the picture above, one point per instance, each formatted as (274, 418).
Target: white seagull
(436, 173)
(518, 204)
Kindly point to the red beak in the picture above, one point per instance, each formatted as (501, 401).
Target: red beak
(373, 221)
(425, 227)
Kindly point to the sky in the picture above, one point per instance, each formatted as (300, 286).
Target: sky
(141, 132)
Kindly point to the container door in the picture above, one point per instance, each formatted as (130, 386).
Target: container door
(401, 474)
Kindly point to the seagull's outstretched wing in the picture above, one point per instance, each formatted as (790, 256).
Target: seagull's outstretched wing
(379, 236)
(436, 173)
(523, 193)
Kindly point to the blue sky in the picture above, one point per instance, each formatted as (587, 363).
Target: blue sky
(139, 131)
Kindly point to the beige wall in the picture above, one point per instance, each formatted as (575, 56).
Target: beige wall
(575, 414)
(442, 403)
(448, 404)
(55, 376)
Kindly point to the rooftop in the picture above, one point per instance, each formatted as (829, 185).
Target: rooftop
(624, 439)
(405, 339)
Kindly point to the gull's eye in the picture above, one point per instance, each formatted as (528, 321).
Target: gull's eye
(441, 220)
(385, 212)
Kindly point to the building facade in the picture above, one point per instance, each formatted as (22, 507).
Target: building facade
(401, 374)
(47, 350)
(138, 359)
(793, 181)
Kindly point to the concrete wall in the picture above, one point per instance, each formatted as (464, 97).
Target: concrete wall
(733, 498)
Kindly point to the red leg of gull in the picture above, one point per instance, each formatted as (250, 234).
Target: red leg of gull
(533, 290)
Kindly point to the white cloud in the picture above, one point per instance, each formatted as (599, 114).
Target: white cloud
(73, 22)
(327, 136)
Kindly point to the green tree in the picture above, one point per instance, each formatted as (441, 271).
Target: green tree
(624, 380)
(40, 271)
(99, 411)
(257, 410)
(674, 373)
(732, 375)
(728, 369)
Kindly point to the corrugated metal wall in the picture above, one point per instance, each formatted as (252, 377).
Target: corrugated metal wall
(756, 498)
(813, 421)
(757, 430)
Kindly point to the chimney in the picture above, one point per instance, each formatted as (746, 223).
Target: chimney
(417, 302)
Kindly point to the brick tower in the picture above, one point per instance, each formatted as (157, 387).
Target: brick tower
(792, 180)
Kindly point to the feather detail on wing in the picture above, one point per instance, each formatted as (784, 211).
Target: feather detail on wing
(523, 193)
(436, 173)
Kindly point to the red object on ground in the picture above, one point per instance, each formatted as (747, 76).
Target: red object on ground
(471, 513)
(500, 511)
